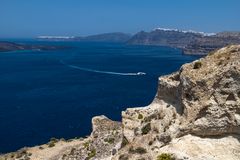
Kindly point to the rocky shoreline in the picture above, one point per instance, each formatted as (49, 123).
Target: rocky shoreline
(194, 116)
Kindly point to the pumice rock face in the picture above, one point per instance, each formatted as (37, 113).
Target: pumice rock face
(195, 115)
(204, 95)
(210, 94)
(202, 99)
(206, 92)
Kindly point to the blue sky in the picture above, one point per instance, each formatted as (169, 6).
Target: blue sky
(30, 18)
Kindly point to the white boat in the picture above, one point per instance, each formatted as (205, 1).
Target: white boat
(141, 73)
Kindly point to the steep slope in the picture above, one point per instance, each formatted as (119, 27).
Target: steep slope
(190, 42)
(195, 115)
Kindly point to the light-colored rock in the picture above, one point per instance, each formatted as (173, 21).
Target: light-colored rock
(203, 99)
(191, 147)
(104, 142)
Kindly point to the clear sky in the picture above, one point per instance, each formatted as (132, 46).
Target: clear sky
(30, 18)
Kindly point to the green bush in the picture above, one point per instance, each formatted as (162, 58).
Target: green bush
(140, 116)
(138, 150)
(146, 128)
(165, 156)
(151, 117)
(123, 157)
(91, 154)
(109, 140)
(51, 144)
(86, 144)
(197, 65)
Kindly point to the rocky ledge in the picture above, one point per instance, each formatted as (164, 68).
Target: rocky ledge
(194, 116)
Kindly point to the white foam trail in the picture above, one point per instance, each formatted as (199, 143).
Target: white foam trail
(103, 72)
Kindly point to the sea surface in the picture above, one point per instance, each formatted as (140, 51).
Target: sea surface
(46, 94)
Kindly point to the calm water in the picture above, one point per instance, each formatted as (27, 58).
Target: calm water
(56, 93)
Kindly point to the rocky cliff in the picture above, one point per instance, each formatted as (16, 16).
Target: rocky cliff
(190, 42)
(194, 116)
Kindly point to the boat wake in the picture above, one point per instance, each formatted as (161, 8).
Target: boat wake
(103, 72)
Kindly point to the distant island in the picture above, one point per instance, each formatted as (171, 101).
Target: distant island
(11, 46)
(191, 42)
(105, 37)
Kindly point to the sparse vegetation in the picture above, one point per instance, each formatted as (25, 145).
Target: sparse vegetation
(140, 116)
(21, 153)
(151, 117)
(197, 65)
(109, 140)
(138, 150)
(150, 143)
(165, 156)
(91, 154)
(123, 157)
(51, 144)
(220, 62)
(41, 147)
(146, 128)
(86, 144)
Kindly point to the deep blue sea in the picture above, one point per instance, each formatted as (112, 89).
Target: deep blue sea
(46, 94)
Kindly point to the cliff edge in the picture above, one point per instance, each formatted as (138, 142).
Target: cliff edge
(194, 116)
(190, 42)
